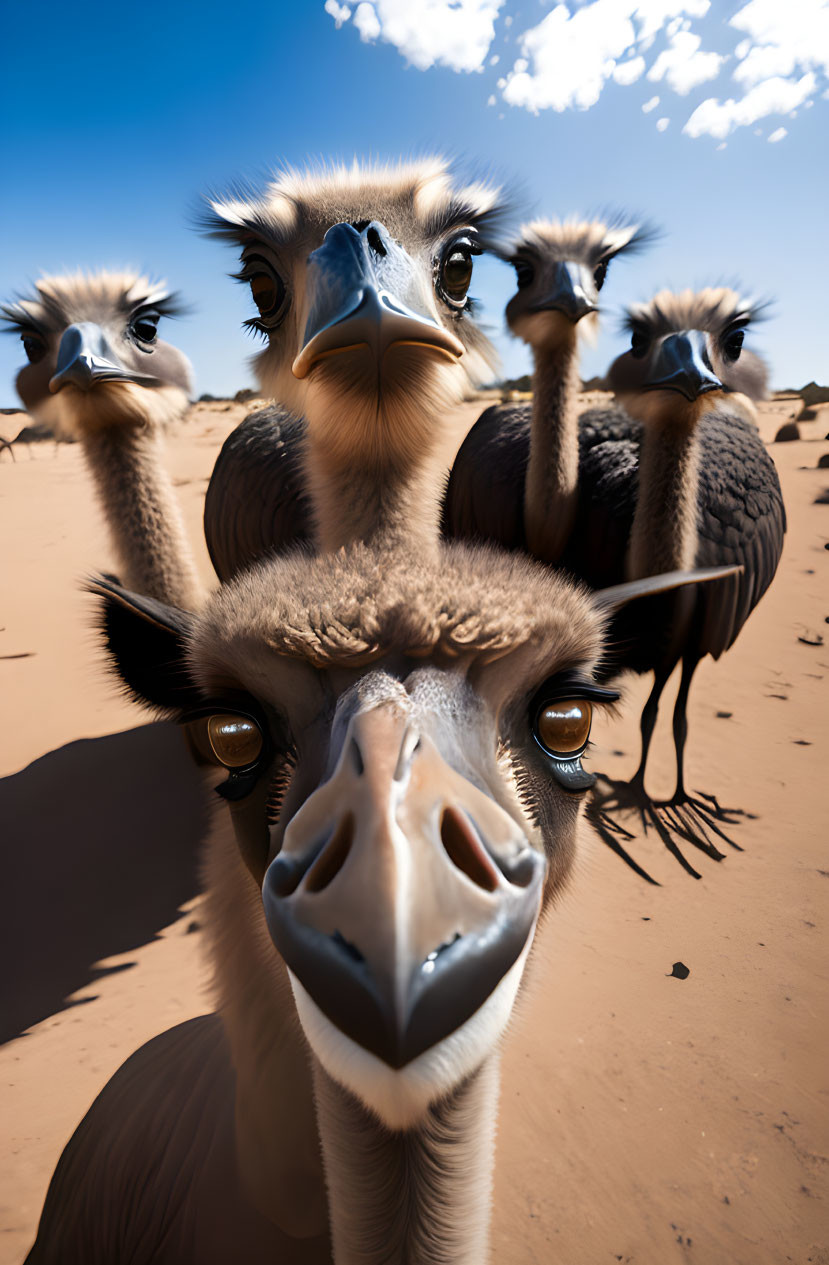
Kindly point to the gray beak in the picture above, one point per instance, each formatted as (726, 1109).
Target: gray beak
(679, 365)
(402, 894)
(86, 357)
(569, 293)
(362, 287)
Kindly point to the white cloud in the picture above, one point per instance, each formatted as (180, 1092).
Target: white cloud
(783, 39)
(367, 22)
(627, 72)
(572, 56)
(780, 58)
(339, 12)
(651, 15)
(661, 124)
(492, 99)
(775, 96)
(453, 33)
(777, 135)
(573, 52)
(682, 64)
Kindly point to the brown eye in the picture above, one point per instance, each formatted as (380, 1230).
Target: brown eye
(267, 292)
(563, 727)
(34, 347)
(456, 272)
(235, 741)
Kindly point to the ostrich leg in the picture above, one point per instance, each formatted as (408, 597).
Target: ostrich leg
(687, 813)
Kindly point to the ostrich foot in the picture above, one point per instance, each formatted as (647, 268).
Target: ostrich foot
(684, 818)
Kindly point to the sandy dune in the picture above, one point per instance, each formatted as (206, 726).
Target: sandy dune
(644, 1118)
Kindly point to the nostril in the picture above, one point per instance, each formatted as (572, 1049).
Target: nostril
(332, 858)
(375, 241)
(464, 850)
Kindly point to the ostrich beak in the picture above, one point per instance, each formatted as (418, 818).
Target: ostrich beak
(402, 894)
(569, 293)
(680, 365)
(362, 289)
(86, 357)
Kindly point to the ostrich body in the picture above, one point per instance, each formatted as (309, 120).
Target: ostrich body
(98, 373)
(401, 723)
(679, 476)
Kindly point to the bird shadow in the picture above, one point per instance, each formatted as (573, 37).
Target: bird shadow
(697, 820)
(101, 842)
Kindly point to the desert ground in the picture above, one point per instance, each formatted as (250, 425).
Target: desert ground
(644, 1118)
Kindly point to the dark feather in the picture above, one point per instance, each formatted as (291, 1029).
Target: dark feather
(256, 500)
(741, 522)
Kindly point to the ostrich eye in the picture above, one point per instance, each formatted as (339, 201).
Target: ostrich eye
(235, 741)
(268, 293)
(733, 344)
(639, 343)
(563, 727)
(524, 273)
(34, 347)
(600, 273)
(145, 327)
(455, 276)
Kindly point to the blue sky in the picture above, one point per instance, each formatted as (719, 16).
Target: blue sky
(116, 122)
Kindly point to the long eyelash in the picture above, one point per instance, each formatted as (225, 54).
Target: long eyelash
(280, 782)
(256, 328)
(171, 305)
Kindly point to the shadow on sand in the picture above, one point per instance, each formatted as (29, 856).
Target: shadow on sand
(100, 846)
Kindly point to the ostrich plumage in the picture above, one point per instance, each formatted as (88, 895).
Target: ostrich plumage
(740, 520)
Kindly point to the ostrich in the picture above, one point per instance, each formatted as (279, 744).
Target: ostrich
(676, 477)
(560, 267)
(401, 724)
(98, 372)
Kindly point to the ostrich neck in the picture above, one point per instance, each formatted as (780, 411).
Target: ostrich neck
(143, 515)
(381, 498)
(664, 532)
(420, 1197)
(551, 486)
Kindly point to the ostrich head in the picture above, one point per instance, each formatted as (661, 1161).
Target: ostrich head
(686, 354)
(560, 268)
(402, 746)
(94, 354)
(361, 277)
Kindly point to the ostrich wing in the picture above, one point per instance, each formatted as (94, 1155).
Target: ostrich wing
(741, 521)
(256, 500)
(149, 1175)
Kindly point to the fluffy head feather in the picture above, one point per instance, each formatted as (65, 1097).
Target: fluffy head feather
(578, 241)
(712, 310)
(402, 195)
(56, 302)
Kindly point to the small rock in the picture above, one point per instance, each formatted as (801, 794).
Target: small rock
(679, 971)
(786, 433)
(812, 638)
(724, 715)
(822, 499)
(823, 462)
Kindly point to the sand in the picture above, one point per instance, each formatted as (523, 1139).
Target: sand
(644, 1118)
